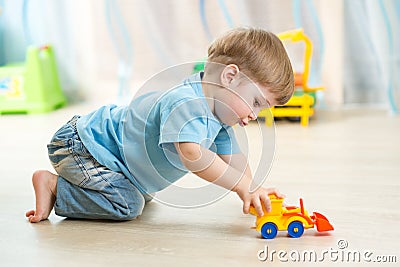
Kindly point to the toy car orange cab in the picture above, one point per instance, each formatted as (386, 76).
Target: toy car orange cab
(291, 218)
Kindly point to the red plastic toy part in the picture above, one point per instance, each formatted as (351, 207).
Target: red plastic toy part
(321, 222)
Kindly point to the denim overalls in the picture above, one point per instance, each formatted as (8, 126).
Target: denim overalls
(86, 189)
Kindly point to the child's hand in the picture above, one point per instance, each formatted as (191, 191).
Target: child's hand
(256, 198)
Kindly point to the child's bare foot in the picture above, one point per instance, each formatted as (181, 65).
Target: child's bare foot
(45, 185)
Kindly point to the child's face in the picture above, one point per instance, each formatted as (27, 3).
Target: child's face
(241, 102)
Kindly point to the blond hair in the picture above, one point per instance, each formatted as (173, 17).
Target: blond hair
(260, 55)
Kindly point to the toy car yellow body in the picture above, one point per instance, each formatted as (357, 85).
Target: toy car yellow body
(291, 218)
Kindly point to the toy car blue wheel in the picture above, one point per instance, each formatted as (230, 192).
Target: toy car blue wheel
(295, 229)
(269, 230)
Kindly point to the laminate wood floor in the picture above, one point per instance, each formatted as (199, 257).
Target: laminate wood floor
(346, 165)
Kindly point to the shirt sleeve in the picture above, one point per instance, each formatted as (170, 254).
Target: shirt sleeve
(185, 121)
(226, 141)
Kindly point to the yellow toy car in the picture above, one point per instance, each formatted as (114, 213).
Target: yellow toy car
(291, 218)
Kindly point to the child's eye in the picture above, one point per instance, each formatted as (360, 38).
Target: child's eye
(256, 103)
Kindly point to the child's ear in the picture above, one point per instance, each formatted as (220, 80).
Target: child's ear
(228, 75)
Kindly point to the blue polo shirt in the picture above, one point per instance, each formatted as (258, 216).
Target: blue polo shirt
(138, 140)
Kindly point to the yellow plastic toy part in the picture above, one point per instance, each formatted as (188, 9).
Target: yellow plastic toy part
(298, 35)
(297, 106)
(291, 218)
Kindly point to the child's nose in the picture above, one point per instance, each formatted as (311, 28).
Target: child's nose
(253, 116)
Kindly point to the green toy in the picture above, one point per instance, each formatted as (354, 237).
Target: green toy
(33, 87)
(198, 66)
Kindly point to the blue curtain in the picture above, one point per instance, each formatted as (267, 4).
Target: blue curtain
(2, 27)
(12, 40)
(372, 55)
(306, 16)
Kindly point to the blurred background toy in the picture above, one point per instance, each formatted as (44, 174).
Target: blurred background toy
(302, 103)
(33, 86)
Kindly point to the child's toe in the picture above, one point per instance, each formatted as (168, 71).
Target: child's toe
(29, 213)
